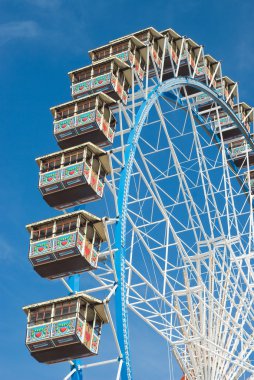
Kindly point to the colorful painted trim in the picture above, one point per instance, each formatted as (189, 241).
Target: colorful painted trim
(101, 80)
(85, 118)
(95, 344)
(37, 333)
(123, 56)
(50, 177)
(79, 328)
(62, 328)
(80, 240)
(72, 171)
(81, 87)
(65, 241)
(64, 125)
(41, 247)
(238, 150)
(100, 187)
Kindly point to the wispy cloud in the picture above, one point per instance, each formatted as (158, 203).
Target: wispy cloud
(46, 4)
(6, 250)
(18, 30)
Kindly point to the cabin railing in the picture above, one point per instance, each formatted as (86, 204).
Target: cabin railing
(224, 121)
(100, 83)
(202, 97)
(240, 149)
(61, 328)
(90, 84)
(71, 172)
(156, 56)
(82, 122)
(64, 242)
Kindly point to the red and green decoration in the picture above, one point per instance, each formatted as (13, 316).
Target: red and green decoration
(79, 329)
(95, 343)
(87, 170)
(80, 240)
(38, 333)
(201, 70)
(41, 247)
(72, 171)
(66, 327)
(65, 241)
(110, 134)
(101, 80)
(123, 56)
(81, 87)
(64, 125)
(100, 187)
(85, 118)
(50, 177)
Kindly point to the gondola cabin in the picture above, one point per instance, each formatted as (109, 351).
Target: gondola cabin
(151, 37)
(87, 119)
(64, 328)
(209, 71)
(111, 76)
(241, 152)
(196, 59)
(210, 74)
(230, 91)
(229, 129)
(129, 50)
(66, 244)
(178, 59)
(246, 115)
(73, 176)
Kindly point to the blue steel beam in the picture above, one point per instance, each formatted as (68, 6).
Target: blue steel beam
(74, 283)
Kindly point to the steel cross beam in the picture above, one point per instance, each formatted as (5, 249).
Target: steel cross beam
(120, 229)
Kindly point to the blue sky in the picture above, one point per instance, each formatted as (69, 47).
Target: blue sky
(41, 40)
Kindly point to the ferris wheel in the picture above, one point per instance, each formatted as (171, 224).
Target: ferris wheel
(161, 138)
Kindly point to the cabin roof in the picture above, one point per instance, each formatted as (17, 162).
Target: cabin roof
(98, 304)
(172, 32)
(102, 155)
(192, 43)
(97, 63)
(136, 41)
(210, 58)
(97, 222)
(126, 68)
(107, 99)
(247, 108)
(155, 32)
(228, 80)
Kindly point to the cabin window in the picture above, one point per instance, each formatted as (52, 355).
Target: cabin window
(142, 36)
(101, 69)
(51, 164)
(66, 226)
(120, 47)
(86, 106)
(74, 157)
(40, 316)
(65, 310)
(64, 113)
(43, 232)
(103, 53)
(84, 75)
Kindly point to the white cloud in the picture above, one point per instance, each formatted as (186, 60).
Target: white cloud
(6, 250)
(47, 4)
(18, 30)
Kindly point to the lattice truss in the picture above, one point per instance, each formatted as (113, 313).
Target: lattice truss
(189, 233)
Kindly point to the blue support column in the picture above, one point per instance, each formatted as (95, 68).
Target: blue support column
(74, 283)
